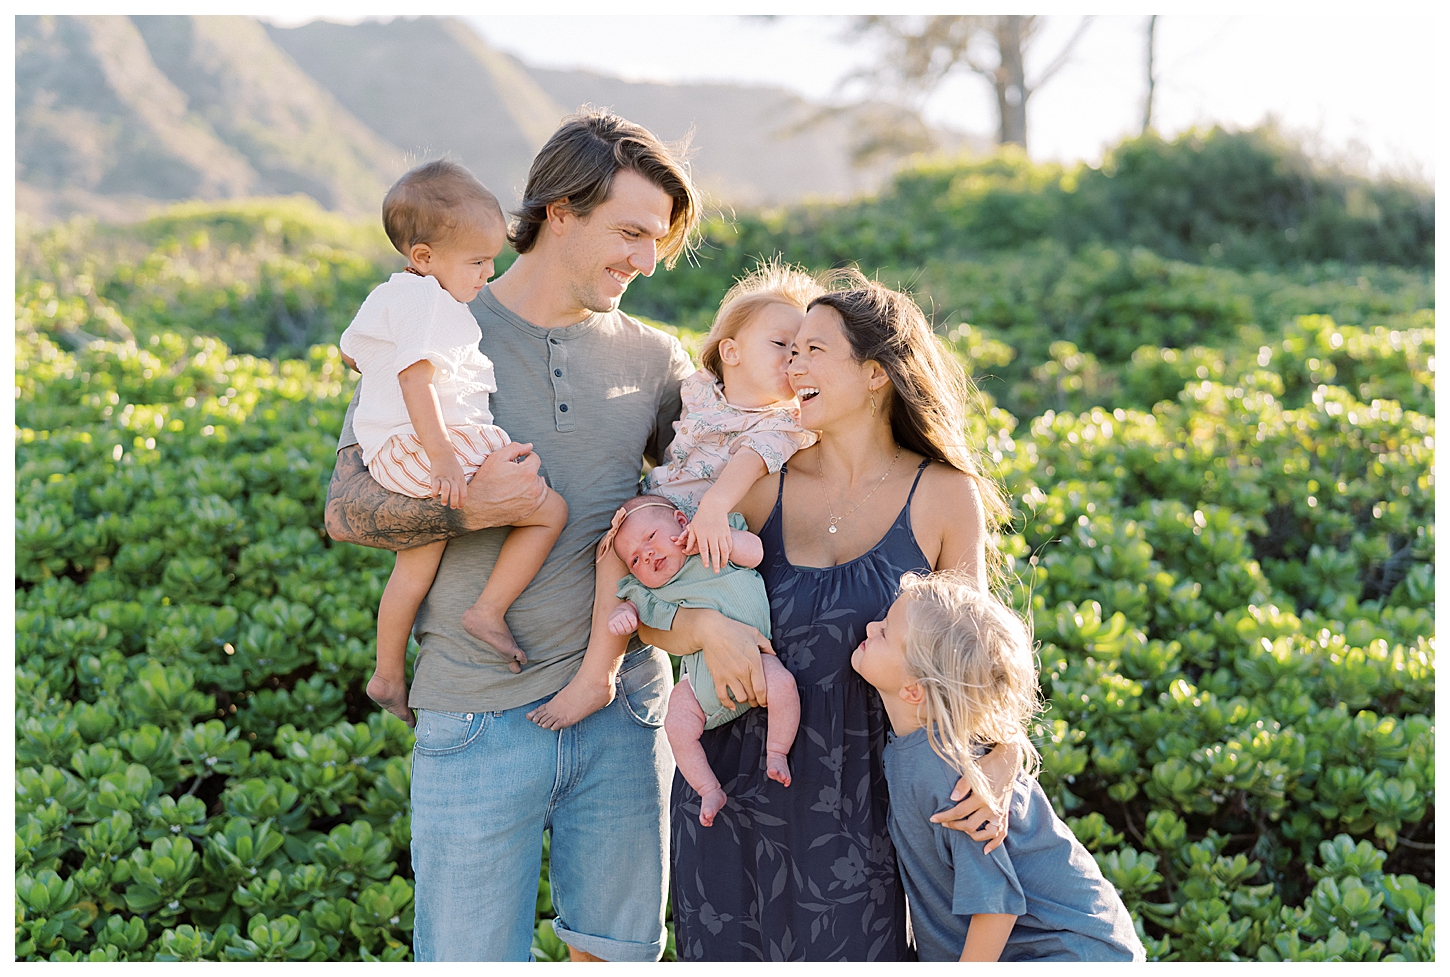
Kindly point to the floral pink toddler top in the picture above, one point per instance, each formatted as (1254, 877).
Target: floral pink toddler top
(710, 430)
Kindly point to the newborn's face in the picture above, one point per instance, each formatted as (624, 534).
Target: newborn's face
(645, 544)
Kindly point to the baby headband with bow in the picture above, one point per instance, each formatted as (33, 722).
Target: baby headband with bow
(617, 521)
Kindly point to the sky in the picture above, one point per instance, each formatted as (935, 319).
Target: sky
(1338, 81)
(1358, 89)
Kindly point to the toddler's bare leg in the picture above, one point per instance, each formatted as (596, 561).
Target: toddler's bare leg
(592, 687)
(412, 575)
(783, 718)
(684, 722)
(518, 561)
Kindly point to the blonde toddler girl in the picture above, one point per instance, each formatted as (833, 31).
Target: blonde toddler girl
(739, 421)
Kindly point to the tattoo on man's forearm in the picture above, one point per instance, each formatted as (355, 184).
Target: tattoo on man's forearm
(359, 510)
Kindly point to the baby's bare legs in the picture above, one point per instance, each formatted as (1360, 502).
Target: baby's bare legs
(518, 561)
(684, 722)
(407, 586)
(592, 687)
(783, 718)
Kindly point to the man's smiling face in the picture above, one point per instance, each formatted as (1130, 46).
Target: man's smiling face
(606, 250)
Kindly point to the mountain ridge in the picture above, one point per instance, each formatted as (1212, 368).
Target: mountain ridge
(117, 116)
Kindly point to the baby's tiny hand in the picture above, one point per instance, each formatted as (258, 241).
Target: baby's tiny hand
(623, 620)
(450, 486)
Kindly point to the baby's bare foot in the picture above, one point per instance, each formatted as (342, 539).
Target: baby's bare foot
(584, 695)
(492, 631)
(392, 696)
(777, 769)
(710, 804)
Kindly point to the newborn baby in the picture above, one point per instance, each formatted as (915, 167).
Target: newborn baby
(646, 533)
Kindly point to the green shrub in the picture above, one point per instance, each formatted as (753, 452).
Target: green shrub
(1224, 536)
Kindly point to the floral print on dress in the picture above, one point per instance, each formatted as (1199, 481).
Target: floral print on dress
(805, 872)
(710, 430)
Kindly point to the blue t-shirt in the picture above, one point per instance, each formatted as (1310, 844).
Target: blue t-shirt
(1041, 874)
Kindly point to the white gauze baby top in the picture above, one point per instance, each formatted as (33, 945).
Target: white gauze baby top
(406, 319)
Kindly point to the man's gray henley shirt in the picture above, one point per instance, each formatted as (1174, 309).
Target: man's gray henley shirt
(595, 399)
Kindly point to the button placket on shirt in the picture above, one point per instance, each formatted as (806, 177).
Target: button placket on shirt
(559, 376)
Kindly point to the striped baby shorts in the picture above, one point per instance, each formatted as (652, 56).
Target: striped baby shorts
(401, 464)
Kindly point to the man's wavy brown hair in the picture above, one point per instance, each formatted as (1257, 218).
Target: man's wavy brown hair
(576, 169)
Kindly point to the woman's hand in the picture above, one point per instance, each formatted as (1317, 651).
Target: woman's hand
(973, 815)
(732, 650)
(732, 653)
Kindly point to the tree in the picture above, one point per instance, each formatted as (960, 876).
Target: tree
(1152, 78)
(922, 51)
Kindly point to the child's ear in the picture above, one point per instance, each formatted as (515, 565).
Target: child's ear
(912, 694)
(682, 519)
(419, 256)
(729, 352)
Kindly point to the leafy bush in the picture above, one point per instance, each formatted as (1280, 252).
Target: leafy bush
(1224, 539)
(1242, 199)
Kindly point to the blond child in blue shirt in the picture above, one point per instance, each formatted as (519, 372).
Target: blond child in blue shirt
(955, 670)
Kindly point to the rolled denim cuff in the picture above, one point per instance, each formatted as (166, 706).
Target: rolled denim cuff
(620, 951)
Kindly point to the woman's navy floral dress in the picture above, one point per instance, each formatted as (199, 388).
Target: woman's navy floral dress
(805, 872)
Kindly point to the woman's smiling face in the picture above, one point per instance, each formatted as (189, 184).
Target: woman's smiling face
(824, 371)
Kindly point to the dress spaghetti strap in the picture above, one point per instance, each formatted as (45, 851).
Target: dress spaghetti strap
(919, 469)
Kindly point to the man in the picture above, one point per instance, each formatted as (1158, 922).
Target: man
(596, 392)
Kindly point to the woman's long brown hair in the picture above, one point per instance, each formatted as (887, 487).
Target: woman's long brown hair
(929, 391)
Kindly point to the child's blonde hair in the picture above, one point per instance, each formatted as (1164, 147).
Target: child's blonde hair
(773, 282)
(972, 656)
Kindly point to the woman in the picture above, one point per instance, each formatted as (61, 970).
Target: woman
(808, 871)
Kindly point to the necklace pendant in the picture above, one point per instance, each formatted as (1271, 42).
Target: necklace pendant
(831, 530)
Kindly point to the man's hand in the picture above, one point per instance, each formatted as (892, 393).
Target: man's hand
(506, 489)
(359, 510)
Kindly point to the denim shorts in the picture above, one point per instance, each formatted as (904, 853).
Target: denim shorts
(486, 785)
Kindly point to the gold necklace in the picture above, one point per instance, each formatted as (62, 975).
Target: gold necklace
(831, 509)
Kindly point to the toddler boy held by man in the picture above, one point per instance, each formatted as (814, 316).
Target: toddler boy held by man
(422, 417)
